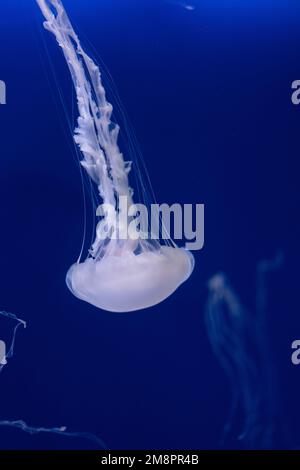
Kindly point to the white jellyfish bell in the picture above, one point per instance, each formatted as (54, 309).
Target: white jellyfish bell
(120, 274)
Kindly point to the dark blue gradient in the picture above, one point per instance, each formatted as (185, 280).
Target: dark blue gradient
(208, 92)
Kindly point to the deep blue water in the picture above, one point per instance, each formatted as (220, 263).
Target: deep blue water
(208, 93)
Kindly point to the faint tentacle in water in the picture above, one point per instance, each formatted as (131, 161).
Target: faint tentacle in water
(62, 431)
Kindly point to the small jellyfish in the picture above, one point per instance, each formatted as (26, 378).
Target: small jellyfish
(122, 273)
(186, 6)
(7, 351)
(240, 341)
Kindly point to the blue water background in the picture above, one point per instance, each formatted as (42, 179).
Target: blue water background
(208, 93)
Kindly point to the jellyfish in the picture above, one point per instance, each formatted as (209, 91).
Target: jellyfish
(240, 342)
(186, 6)
(123, 272)
(7, 352)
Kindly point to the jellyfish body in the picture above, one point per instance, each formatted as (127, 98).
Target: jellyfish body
(130, 282)
(120, 274)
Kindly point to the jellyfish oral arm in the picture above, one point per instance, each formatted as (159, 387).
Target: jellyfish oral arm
(96, 135)
(120, 274)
